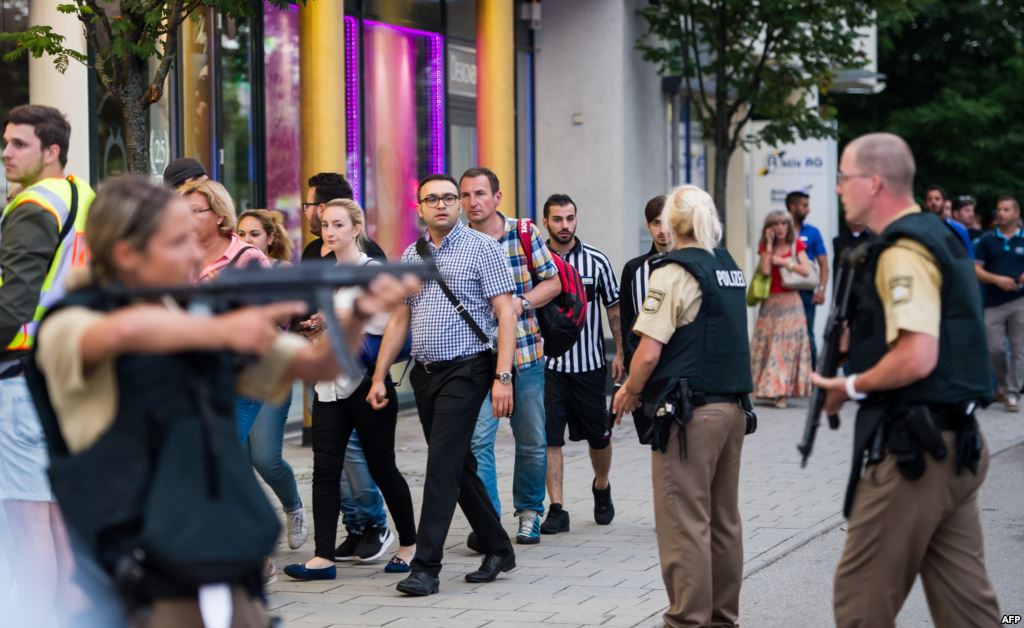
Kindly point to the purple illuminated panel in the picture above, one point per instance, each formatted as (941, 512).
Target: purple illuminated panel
(353, 130)
(402, 75)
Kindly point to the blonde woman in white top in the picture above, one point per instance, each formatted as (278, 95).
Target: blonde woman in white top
(340, 408)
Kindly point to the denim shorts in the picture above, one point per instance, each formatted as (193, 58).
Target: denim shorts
(23, 455)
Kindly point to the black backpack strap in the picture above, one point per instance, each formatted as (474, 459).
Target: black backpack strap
(423, 249)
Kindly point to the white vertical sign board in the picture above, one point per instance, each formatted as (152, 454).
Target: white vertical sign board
(773, 172)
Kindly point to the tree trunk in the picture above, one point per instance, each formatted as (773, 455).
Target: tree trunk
(722, 155)
(135, 118)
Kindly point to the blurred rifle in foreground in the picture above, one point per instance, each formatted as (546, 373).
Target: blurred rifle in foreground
(312, 282)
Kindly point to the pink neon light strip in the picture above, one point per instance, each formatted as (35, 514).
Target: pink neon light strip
(436, 117)
(353, 129)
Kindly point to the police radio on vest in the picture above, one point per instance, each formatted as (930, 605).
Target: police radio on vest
(730, 278)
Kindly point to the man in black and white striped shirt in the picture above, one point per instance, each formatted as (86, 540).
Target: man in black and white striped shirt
(574, 383)
(635, 274)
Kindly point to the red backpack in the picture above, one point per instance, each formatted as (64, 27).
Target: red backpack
(561, 321)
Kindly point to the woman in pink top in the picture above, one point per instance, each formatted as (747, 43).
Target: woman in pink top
(213, 213)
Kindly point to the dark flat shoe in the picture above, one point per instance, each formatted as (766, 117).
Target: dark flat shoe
(419, 583)
(299, 571)
(492, 565)
(397, 565)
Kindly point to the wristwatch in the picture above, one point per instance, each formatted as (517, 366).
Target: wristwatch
(505, 377)
(526, 303)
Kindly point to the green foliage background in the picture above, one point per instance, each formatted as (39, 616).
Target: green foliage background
(955, 92)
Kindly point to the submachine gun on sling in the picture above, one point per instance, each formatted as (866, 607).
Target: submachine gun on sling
(828, 362)
(312, 282)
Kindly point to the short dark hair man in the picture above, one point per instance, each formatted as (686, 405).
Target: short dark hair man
(964, 213)
(636, 273)
(321, 188)
(798, 204)
(481, 197)
(574, 383)
(936, 201)
(42, 229)
(999, 266)
(454, 370)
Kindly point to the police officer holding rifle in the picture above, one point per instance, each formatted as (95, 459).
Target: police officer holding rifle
(136, 399)
(919, 367)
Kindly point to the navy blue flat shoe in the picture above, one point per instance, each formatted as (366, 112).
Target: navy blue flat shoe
(397, 565)
(299, 571)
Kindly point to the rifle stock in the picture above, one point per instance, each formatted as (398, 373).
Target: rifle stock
(311, 282)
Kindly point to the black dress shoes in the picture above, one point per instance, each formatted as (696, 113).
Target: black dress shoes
(419, 583)
(492, 565)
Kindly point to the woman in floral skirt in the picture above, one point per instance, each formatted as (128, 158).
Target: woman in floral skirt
(780, 350)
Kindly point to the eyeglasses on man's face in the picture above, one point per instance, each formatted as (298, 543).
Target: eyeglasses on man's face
(433, 201)
(308, 206)
(843, 177)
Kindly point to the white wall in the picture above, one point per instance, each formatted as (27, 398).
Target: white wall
(67, 92)
(615, 157)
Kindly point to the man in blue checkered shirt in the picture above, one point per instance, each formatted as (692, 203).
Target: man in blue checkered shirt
(481, 196)
(454, 371)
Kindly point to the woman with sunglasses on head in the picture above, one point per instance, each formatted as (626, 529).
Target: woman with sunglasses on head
(341, 408)
(136, 397)
(780, 350)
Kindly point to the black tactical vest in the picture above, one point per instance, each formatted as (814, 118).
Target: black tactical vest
(963, 372)
(712, 352)
(165, 500)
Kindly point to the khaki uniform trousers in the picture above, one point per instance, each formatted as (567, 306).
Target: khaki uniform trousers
(246, 612)
(899, 528)
(697, 516)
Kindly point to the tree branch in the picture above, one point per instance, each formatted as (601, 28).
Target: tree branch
(755, 78)
(156, 87)
(691, 35)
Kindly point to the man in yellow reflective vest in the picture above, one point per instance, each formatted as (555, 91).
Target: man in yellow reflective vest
(40, 242)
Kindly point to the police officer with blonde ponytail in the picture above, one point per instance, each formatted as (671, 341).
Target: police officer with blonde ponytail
(691, 372)
(40, 241)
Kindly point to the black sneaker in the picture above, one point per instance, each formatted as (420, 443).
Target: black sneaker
(604, 511)
(556, 521)
(347, 549)
(374, 543)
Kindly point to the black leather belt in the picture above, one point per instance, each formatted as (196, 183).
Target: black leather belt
(436, 367)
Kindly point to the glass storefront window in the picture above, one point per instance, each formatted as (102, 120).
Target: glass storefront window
(13, 74)
(404, 126)
(281, 102)
(237, 167)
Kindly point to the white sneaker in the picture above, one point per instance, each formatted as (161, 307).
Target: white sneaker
(1012, 402)
(297, 530)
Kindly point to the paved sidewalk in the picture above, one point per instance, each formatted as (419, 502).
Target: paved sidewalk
(594, 575)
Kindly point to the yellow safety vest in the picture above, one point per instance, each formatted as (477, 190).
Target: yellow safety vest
(54, 196)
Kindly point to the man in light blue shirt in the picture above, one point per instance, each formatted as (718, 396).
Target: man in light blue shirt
(798, 204)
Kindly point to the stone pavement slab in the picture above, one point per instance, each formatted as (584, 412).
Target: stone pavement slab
(594, 575)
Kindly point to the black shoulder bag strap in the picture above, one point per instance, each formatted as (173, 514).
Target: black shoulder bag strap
(234, 260)
(423, 249)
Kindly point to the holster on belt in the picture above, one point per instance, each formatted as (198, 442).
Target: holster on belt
(673, 405)
(911, 435)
